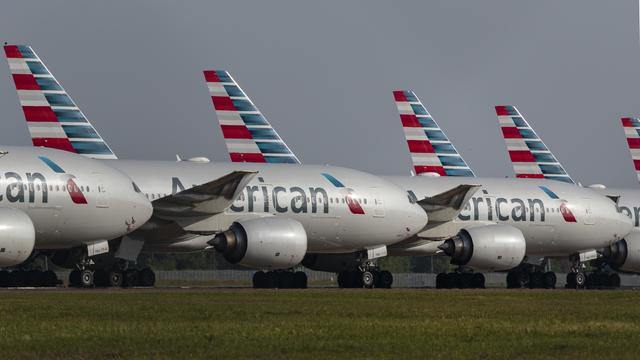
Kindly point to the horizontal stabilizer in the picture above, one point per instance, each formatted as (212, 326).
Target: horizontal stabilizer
(207, 199)
(447, 205)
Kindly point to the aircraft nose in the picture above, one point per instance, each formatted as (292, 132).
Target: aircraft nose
(141, 211)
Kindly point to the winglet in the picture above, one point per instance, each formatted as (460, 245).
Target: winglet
(447, 205)
(247, 133)
(529, 156)
(431, 151)
(631, 127)
(54, 120)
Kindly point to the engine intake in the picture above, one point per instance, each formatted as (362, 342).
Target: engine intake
(265, 243)
(17, 237)
(624, 254)
(488, 247)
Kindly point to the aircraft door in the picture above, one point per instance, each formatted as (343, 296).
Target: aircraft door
(102, 196)
(589, 219)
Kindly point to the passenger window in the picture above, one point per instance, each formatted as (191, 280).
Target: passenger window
(365, 201)
(88, 190)
(57, 188)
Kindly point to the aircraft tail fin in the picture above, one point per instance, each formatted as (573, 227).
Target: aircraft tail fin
(431, 151)
(529, 156)
(53, 119)
(247, 133)
(631, 127)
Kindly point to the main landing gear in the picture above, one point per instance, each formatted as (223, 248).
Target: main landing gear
(87, 278)
(460, 280)
(280, 279)
(530, 276)
(366, 276)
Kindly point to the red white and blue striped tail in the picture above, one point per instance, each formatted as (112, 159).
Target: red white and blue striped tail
(529, 155)
(431, 151)
(53, 119)
(247, 133)
(631, 127)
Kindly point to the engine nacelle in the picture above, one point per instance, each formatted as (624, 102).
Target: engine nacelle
(488, 247)
(17, 236)
(624, 254)
(264, 243)
(331, 262)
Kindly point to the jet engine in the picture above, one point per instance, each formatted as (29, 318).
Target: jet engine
(17, 237)
(624, 254)
(264, 243)
(488, 247)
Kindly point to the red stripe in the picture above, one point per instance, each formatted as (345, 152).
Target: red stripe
(410, 121)
(430, 169)
(354, 206)
(399, 96)
(626, 122)
(530, 176)
(25, 82)
(636, 163)
(511, 132)
(39, 114)
(222, 103)
(235, 132)
(54, 143)
(634, 143)
(211, 76)
(566, 213)
(247, 157)
(420, 146)
(76, 195)
(521, 156)
(502, 110)
(12, 52)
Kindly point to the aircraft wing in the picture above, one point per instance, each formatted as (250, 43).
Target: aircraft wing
(446, 206)
(203, 200)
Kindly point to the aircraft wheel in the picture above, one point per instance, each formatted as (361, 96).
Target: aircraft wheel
(614, 281)
(571, 281)
(4, 278)
(259, 278)
(478, 281)
(86, 278)
(536, 280)
(550, 280)
(300, 280)
(147, 277)
(454, 281)
(50, 278)
(74, 278)
(466, 281)
(100, 278)
(441, 281)
(130, 278)
(115, 278)
(581, 280)
(285, 280)
(367, 279)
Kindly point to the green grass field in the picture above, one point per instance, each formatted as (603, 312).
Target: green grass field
(318, 323)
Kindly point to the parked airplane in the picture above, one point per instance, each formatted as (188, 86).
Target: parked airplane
(557, 220)
(265, 216)
(531, 158)
(53, 201)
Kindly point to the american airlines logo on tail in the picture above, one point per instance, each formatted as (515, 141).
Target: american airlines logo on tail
(631, 127)
(431, 151)
(247, 133)
(529, 155)
(53, 119)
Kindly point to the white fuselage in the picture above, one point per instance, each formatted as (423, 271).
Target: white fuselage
(299, 192)
(101, 205)
(562, 220)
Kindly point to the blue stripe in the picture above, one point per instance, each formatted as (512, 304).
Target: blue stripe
(419, 109)
(548, 192)
(272, 147)
(427, 122)
(223, 76)
(333, 180)
(243, 105)
(263, 134)
(280, 159)
(233, 90)
(69, 116)
(91, 148)
(26, 52)
(48, 84)
(51, 164)
(254, 119)
(459, 172)
(80, 132)
(410, 96)
(37, 68)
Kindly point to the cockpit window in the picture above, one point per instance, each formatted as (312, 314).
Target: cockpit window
(136, 188)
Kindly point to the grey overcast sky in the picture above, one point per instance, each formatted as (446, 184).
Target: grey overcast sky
(322, 72)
